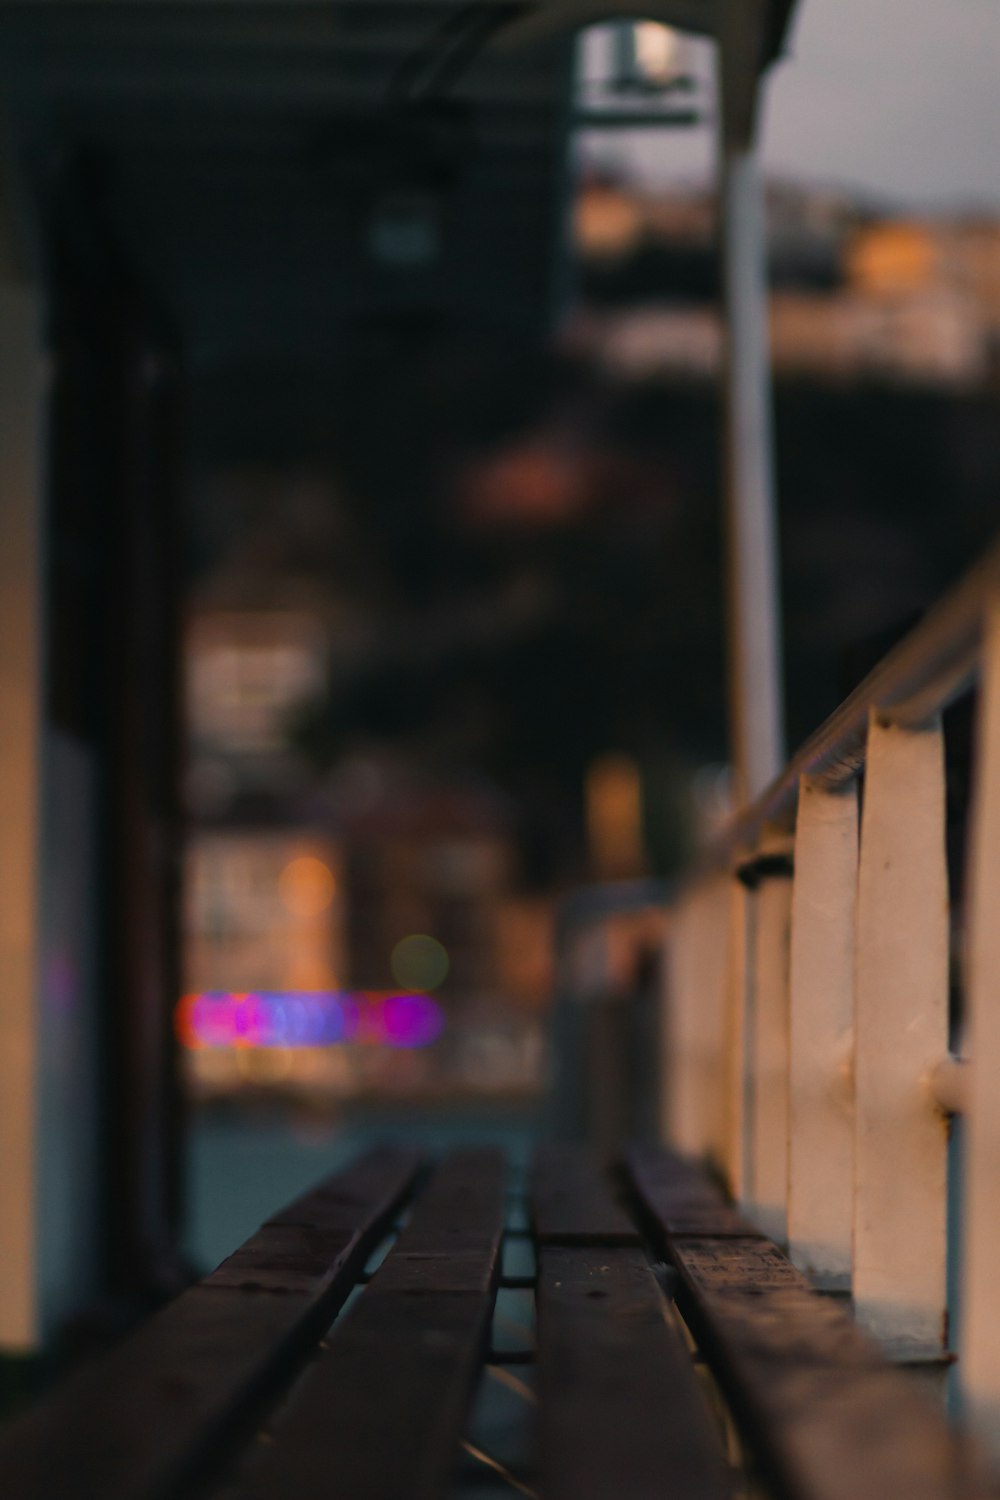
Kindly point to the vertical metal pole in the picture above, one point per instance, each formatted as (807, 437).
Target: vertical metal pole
(756, 713)
(141, 947)
(21, 575)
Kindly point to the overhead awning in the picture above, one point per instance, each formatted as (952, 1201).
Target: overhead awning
(751, 35)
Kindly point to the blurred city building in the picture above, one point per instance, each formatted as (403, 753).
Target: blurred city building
(339, 890)
(859, 294)
(343, 676)
(247, 672)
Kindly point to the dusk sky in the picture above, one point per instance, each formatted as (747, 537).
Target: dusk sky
(902, 96)
(899, 98)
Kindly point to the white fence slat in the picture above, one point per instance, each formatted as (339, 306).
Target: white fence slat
(739, 1028)
(901, 1033)
(681, 1030)
(695, 1020)
(821, 1033)
(979, 1343)
(767, 1187)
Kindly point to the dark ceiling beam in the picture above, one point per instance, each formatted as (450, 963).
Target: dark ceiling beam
(313, 85)
(144, 29)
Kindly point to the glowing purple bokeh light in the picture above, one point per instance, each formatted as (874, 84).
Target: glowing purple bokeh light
(307, 1018)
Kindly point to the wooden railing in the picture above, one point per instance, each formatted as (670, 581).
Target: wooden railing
(831, 1007)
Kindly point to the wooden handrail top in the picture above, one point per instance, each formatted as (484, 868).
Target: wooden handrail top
(928, 670)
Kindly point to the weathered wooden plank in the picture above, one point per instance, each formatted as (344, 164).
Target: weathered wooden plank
(680, 1197)
(143, 1421)
(571, 1203)
(620, 1411)
(828, 1417)
(379, 1414)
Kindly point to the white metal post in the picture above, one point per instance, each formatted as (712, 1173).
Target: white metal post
(821, 1124)
(979, 1343)
(767, 1189)
(21, 563)
(901, 1033)
(751, 528)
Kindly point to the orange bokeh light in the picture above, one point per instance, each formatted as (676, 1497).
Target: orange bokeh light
(306, 886)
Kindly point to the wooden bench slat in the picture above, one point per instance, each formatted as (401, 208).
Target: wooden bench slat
(571, 1204)
(141, 1422)
(620, 1411)
(379, 1415)
(828, 1417)
(681, 1197)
